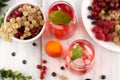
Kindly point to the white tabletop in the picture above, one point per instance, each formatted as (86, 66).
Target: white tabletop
(106, 61)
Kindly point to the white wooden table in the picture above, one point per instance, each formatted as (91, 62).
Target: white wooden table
(106, 62)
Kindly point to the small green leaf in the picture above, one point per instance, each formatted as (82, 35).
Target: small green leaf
(13, 77)
(2, 4)
(59, 17)
(5, 0)
(76, 52)
(29, 77)
(10, 73)
(18, 76)
(4, 73)
(23, 78)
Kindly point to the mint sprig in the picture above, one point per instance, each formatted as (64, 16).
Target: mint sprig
(76, 52)
(3, 4)
(59, 17)
(13, 75)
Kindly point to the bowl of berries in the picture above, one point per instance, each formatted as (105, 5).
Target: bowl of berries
(24, 22)
(101, 21)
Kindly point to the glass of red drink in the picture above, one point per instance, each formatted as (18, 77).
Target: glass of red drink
(62, 31)
(82, 64)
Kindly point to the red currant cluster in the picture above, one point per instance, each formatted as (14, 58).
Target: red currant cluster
(43, 69)
(103, 30)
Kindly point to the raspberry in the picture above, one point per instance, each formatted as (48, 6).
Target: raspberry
(100, 23)
(105, 31)
(100, 36)
(109, 24)
(97, 30)
(109, 37)
(106, 24)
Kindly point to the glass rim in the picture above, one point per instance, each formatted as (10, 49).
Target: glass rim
(57, 2)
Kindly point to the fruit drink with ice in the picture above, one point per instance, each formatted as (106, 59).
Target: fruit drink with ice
(80, 57)
(61, 21)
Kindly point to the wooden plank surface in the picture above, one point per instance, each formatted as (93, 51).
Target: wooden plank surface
(106, 61)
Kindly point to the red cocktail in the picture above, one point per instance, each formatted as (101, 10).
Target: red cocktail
(80, 57)
(61, 12)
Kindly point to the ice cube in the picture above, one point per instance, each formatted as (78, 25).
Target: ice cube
(78, 63)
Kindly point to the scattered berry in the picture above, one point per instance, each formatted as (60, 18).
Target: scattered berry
(88, 79)
(109, 37)
(97, 30)
(44, 61)
(103, 76)
(34, 44)
(54, 74)
(13, 54)
(100, 36)
(24, 61)
(106, 31)
(39, 66)
(62, 67)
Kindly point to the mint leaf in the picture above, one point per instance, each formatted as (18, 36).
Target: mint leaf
(76, 52)
(9, 74)
(59, 17)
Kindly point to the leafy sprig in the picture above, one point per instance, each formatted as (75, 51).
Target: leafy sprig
(13, 75)
(3, 4)
(2, 19)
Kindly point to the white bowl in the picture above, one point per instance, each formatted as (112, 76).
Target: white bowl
(13, 8)
(88, 26)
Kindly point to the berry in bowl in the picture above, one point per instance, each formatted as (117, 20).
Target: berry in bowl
(24, 22)
(101, 20)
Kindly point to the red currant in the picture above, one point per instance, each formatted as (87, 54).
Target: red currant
(44, 67)
(44, 61)
(39, 66)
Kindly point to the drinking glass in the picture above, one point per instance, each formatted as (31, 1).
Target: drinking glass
(82, 64)
(62, 31)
